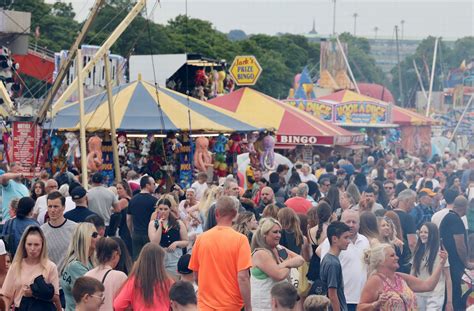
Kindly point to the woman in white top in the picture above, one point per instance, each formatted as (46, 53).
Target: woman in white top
(425, 259)
(430, 174)
(108, 256)
(271, 263)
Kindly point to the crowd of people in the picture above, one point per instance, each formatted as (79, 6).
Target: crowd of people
(345, 233)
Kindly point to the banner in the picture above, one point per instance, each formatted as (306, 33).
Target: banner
(107, 163)
(320, 110)
(26, 147)
(185, 160)
(361, 113)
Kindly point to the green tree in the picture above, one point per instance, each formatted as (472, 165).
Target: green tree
(463, 50)
(63, 9)
(424, 59)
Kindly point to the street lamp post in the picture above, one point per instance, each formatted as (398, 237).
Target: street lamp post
(402, 22)
(376, 29)
(334, 18)
(355, 15)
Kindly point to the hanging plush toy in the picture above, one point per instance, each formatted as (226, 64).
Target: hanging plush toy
(94, 157)
(252, 138)
(267, 158)
(200, 79)
(145, 145)
(234, 144)
(73, 152)
(200, 93)
(202, 158)
(56, 144)
(220, 82)
(215, 82)
(219, 146)
(122, 148)
(229, 85)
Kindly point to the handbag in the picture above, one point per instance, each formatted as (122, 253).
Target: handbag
(304, 285)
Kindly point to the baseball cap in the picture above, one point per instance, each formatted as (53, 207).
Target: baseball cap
(183, 264)
(426, 191)
(78, 193)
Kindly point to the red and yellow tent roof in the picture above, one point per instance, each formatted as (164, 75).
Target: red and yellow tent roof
(346, 96)
(404, 117)
(292, 125)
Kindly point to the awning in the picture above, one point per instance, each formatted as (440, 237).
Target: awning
(293, 126)
(405, 117)
(139, 108)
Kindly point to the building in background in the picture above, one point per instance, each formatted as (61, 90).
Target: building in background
(94, 82)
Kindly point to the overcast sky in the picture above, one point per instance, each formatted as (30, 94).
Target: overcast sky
(448, 19)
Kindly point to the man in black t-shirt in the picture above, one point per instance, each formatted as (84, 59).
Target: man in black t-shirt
(454, 240)
(406, 202)
(139, 211)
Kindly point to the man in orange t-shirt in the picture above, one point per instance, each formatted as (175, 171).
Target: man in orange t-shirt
(221, 260)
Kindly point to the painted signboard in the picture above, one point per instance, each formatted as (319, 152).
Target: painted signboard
(320, 110)
(361, 112)
(26, 147)
(245, 70)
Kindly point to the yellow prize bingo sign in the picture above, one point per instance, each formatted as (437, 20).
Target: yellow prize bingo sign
(245, 70)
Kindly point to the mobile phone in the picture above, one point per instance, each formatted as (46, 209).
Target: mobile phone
(441, 244)
(283, 253)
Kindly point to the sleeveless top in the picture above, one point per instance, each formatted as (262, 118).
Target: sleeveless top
(404, 298)
(168, 236)
(314, 262)
(261, 285)
(288, 240)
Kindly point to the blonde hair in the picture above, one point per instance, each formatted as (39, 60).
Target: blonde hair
(264, 226)
(391, 238)
(316, 303)
(242, 223)
(210, 196)
(374, 256)
(80, 245)
(21, 250)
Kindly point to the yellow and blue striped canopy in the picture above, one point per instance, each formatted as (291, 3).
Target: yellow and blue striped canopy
(139, 108)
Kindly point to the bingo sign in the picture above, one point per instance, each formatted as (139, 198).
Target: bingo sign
(361, 113)
(26, 147)
(245, 70)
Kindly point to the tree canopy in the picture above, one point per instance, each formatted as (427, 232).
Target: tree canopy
(281, 56)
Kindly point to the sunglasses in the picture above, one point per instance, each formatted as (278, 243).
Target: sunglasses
(102, 297)
(95, 235)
